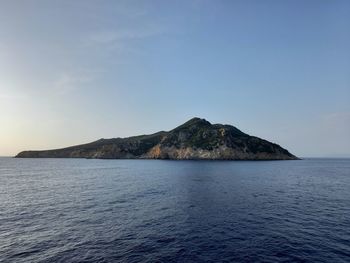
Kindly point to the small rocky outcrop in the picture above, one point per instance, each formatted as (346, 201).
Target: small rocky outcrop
(195, 139)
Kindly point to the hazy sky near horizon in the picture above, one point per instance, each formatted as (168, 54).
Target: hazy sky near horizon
(75, 71)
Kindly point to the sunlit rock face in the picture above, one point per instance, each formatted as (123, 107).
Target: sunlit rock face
(195, 139)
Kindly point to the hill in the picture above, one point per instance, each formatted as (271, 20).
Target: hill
(195, 139)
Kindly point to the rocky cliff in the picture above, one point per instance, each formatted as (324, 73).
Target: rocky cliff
(195, 139)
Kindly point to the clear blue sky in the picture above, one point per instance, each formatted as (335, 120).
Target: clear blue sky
(75, 71)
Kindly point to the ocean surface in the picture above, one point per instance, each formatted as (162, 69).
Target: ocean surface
(77, 210)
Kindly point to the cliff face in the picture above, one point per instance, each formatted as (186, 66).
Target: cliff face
(195, 139)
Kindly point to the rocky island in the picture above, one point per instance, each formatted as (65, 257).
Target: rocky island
(195, 139)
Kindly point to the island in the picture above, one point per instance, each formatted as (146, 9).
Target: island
(196, 139)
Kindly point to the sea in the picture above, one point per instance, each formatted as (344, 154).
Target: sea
(86, 210)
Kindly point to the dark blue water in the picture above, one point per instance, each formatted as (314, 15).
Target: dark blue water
(77, 210)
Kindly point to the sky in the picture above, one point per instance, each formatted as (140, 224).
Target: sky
(72, 72)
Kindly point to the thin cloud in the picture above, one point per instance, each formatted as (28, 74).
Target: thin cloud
(68, 82)
(114, 39)
(343, 117)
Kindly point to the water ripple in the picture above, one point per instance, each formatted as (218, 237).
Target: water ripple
(76, 210)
